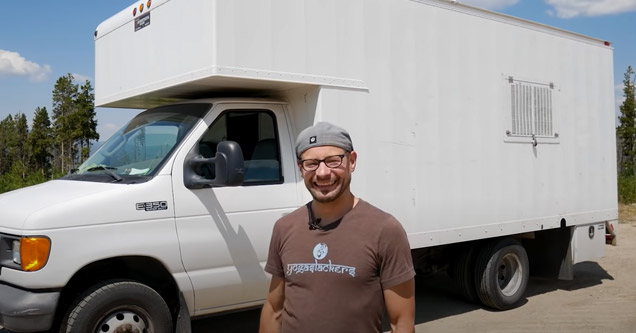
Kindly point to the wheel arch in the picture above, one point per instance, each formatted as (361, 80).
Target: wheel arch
(142, 269)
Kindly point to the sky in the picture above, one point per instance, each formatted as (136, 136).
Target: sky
(42, 40)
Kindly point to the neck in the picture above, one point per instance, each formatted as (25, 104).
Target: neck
(333, 210)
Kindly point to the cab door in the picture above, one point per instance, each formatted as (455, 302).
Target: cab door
(224, 232)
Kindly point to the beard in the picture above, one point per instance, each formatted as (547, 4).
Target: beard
(325, 196)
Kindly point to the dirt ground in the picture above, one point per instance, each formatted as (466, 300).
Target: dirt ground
(601, 298)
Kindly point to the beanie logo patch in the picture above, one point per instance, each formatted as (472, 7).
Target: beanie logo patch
(312, 139)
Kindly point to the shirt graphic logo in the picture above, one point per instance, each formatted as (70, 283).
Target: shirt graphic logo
(320, 251)
(312, 139)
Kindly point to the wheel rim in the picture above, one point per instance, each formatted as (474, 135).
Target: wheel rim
(124, 321)
(510, 274)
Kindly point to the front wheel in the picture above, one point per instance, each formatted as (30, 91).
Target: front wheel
(120, 306)
(502, 273)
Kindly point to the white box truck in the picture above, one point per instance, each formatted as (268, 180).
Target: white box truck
(490, 138)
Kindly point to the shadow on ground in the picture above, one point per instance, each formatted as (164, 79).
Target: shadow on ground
(436, 298)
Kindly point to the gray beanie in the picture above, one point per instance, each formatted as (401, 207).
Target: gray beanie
(323, 134)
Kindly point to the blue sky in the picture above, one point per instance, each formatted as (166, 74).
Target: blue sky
(42, 40)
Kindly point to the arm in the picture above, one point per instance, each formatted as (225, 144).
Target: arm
(400, 306)
(273, 307)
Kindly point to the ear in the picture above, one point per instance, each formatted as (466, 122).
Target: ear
(353, 157)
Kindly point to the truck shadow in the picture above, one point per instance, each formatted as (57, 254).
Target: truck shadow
(586, 274)
(238, 322)
(435, 298)
(238, 243)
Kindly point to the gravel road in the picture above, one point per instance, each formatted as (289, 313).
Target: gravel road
(601, 298)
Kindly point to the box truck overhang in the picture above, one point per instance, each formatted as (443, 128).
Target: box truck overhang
(219, 81)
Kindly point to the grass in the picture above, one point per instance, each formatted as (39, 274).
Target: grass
(627, 189)
(626, 213)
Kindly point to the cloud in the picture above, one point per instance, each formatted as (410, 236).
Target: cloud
(107, 130)
(491, 4)
(79, 78)
(11, 63)
(111, 126)
(573, 8)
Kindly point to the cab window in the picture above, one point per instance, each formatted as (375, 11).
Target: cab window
(255, 131)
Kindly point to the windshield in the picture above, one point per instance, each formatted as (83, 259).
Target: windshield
(137, 151)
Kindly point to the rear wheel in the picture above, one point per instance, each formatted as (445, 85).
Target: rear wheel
(120, 306)
(462, 271)
(502, 273)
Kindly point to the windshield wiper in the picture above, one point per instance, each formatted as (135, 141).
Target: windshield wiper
(107, 170)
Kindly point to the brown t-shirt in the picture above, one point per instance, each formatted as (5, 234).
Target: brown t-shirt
(334, 279)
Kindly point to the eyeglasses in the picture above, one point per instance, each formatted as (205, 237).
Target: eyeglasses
(331, 162)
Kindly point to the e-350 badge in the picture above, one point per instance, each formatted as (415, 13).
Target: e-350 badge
(152, 206)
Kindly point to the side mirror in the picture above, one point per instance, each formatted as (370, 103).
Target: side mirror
(228, 166)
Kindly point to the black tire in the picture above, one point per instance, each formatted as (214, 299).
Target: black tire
(124, 305)
(462, 271)
(502, 273)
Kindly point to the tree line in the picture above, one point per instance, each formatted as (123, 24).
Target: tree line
(626, 141)
(54, 144)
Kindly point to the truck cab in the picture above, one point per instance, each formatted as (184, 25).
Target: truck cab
(181, 199)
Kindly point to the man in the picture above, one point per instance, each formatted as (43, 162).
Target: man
(337, 262)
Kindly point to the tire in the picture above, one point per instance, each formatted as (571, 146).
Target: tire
(502, 273)
(462, 272)
(119, 306)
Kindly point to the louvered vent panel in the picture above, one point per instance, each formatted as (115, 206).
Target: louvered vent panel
(531, 107)
(543, 112)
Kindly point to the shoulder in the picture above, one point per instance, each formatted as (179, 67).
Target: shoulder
(373, 213)
(298, 217)
(384, 225)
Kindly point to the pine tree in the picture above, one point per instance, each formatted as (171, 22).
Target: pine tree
(64, 95)
(75, 123)
(21, 149)
(40, 142)
(7, 138)
(13, 152)
(85, 122)
(626, 131)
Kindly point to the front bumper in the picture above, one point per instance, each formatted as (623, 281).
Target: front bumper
(26, 311)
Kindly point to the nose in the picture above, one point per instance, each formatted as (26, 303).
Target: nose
(322, 170)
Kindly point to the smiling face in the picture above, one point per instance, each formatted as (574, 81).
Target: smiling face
(328, 184)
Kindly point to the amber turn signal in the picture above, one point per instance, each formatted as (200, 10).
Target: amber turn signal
(34, 252)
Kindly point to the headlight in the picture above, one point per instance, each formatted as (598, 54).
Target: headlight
(31, 253)
(16, 252)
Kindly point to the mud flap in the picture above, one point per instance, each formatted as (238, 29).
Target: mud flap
(183, 322)
(550, 253)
